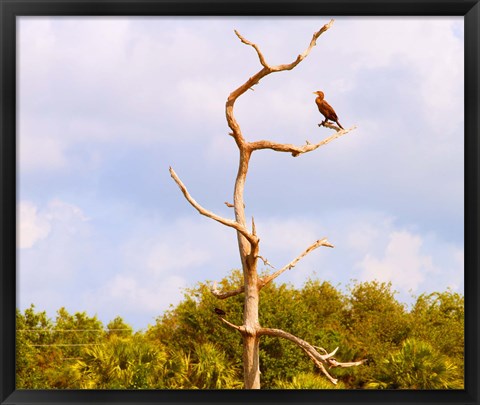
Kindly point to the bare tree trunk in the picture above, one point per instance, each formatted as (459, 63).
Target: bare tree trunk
(251, 366)
(248, 258)
(251, 325)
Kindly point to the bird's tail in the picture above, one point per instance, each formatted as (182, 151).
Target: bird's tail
(340, 125)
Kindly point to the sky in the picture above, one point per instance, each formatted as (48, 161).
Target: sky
(107, 105)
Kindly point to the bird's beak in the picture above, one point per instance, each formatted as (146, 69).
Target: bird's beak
(314, 92)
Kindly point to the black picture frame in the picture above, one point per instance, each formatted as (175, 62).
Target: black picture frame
(11, 9)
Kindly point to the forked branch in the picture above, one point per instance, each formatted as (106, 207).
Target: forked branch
(310, 350)
(255, 79)
(263, 62)
(287, 66)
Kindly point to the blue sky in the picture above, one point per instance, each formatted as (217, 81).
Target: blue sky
(106, 105)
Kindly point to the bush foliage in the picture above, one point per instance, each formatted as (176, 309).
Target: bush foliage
(188, 347)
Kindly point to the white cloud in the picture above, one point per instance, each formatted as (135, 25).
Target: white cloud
(67, 213)
(285, 238)
(368, 245)
(32, 227)
(412, 261)
(170, 256)
(159, 247)
(365, 235)
(128, 294)
(403, 262)
(35, 225)
(428, 48)
(55, 250)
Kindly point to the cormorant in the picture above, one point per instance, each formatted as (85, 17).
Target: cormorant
(219, 311)
(326, 109)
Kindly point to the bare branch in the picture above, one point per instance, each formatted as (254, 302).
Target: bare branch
(230, 205)
(228, 222)
(222, 295)
(263, 62)
(297, 150)
(299, 342)
(324, 371)
(265, 261)
(332, 362)
(299, 58)
(313, 246)
(302, 56)
(323, 350)
(335, 363)
(317, 358)
(239, 328)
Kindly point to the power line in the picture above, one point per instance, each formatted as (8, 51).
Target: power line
(71, 330)
(69, 344)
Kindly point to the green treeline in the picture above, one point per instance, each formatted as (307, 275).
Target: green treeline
(190, 348)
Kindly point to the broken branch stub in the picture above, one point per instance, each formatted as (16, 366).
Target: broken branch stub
(226, 294)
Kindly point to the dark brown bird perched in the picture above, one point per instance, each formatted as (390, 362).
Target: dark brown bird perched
(219, 311)
(326, 109)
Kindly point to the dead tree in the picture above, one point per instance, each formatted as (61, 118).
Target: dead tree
(248, 241)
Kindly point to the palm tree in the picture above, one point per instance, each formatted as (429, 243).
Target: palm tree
(207, 367)
(308, 381)
(129, 363)
(213, 370)
(417, 366)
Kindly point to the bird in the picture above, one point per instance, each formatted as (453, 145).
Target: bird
(219, 311)
(326, 109)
